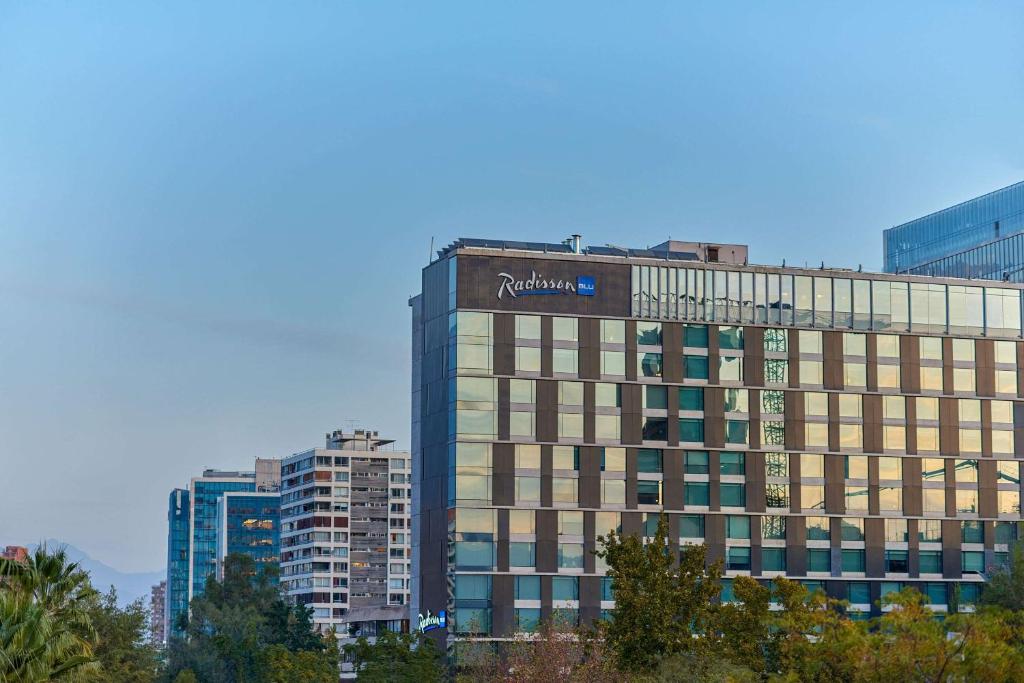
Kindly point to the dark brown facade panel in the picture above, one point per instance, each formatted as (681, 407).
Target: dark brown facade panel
(832, 348)
(753, 357)
(984, 367)
(480, 278)
(504, 344)
(910, 364)
(672, 345)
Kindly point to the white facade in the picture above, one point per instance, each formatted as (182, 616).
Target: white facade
(345, 537)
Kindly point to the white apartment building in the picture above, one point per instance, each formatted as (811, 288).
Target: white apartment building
(345, 537)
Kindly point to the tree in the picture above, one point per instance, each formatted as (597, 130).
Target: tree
(659, 604)
(396, 657)
(910, 644)
(1005, 588)
(744, 623)
(812, 640)
(45, 630)
(556, 653)
(122, 647)
(34, 646)
(242, 631)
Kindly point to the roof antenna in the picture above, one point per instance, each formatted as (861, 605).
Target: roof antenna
(430, 254)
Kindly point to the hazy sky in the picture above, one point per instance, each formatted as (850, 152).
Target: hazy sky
(212, 214)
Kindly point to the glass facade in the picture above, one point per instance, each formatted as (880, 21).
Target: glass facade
(249, 524)
(866, 302)
(853, 431)
(981, 238)
(205, 494)
(176, 601)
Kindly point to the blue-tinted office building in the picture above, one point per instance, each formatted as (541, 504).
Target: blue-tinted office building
(250, 524)
(206, 492)
(981, 238)
(194, 523)
(176, 601)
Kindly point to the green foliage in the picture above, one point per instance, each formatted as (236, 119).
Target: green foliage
(396, 657)
(673, 611)
(122, 647)
(557, 652)
(45, 630)
(659, 603)
(242, 631)
(1005, 588)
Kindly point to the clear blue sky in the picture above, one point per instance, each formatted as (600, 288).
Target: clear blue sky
(212, 214)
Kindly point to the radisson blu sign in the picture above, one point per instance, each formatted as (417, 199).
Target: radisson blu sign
(539, 285)
(431, 621)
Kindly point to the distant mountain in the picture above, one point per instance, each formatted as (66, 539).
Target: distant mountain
(129, 585)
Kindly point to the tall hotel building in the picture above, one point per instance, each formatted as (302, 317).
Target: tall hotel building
(856, 432)
(345, 534)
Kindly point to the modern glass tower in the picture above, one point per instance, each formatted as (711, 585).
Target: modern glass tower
(249, 523)
(206, 492)
(193, 525)
(857, 432)
(982, 238)
(178, 563)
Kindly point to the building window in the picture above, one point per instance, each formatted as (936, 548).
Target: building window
(818, 560)
(738, 558)
(773, 559)
(732, 495)
(691, 526)
(565, 361)
(648, 333)
(691, 398)
(613, 331)
(565, 329)
(613, 363)
(521, 554)
(649, 364)
(648, 493)
(613, 492)
(695, 336)
(570, 556)
(776, 495)
(731, 463)
(695, 367)
(730, 369)
(696, 493)
(691, 431)
(649, 460)
(853, 560)
(896, 562)
(696, 462)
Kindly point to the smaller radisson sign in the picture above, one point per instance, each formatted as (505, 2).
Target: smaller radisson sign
(536, 285)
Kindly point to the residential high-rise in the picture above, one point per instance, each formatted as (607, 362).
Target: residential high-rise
(345, 533)
(158, 613)
(857, 432)
(193, 529)
(982, 238)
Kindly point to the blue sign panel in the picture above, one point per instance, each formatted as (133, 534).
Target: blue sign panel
(585, 285)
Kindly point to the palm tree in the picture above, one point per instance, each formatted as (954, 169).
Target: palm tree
(32, 647)
(45, 631)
